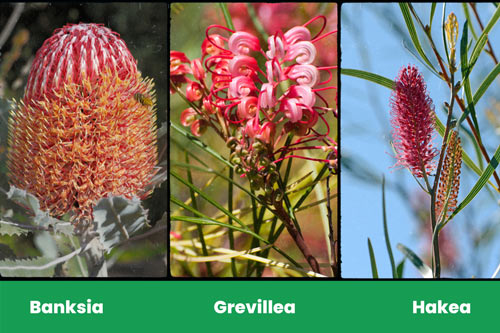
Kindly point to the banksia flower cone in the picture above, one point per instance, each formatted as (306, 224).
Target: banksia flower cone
(449, 181)
(413, 122)
(86, 126)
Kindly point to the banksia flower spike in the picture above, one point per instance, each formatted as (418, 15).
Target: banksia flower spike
(449, 180)
(86, 125)
(413, 123)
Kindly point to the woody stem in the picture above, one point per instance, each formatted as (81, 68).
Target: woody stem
(296, 235)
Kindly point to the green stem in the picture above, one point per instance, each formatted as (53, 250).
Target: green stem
(199, 227)
(230, 220)
(227, 15)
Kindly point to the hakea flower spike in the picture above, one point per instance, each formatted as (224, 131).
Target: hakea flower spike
(412, 120)
(86, 126)
(449, 180)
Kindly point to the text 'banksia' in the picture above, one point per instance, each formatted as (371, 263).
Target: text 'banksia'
(412, 121)
(80, 132)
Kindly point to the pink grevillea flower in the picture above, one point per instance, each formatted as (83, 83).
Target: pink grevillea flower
(194, 91)
(178, 69)
(413, 122)
(258, 97)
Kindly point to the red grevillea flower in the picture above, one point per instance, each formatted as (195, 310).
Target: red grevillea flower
(413, 122)
(86, 126)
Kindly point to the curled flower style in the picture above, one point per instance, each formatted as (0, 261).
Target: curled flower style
(178, 69)
(197, 68)
(276, 47)
(303, 52)
(247, 108)
(304, 74)
(194, 91)
(243, 65)
(243, 42)
(241, 86)
(297, 34)
(188, 116)
(412, 121)
(212, 45)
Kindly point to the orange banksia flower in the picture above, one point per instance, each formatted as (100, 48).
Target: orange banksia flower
(86, 126)
(449, 181)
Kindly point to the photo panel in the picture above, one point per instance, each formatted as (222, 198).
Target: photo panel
(420, 140)
(254, 140)
(83, 162)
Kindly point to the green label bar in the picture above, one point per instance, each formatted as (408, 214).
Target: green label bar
(246, 306)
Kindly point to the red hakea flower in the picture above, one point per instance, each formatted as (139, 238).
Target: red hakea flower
(86, 126)
(413, 122)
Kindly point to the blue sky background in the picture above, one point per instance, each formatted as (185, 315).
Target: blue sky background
(373, 36)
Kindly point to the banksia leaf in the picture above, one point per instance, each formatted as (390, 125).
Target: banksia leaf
(80, 132)
(118, 218)
(449, 181)
(413, 123)
(33, 267)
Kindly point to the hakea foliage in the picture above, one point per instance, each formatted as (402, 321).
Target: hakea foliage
(253, 108)
(412, 121)
(449, 180)
(86, 126)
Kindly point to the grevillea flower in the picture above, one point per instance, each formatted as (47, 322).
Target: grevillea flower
(86, 125)
(260, 102)
(413, 122)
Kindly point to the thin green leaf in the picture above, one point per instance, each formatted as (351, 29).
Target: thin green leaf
(386, 231)
(483, 38)
(467, 17)
(476, 52)
(256, 22)
(464, 65)
(486, 83)
(208, 199)
(433, 9)
(227, 15)
(195, 167)
(424, 270)
(373, 262)
(481, 182)
(199, 143)
(200, 229)
(400, 268)
(208, 221)
(405, 10)
(309, 190)
(383, 81)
